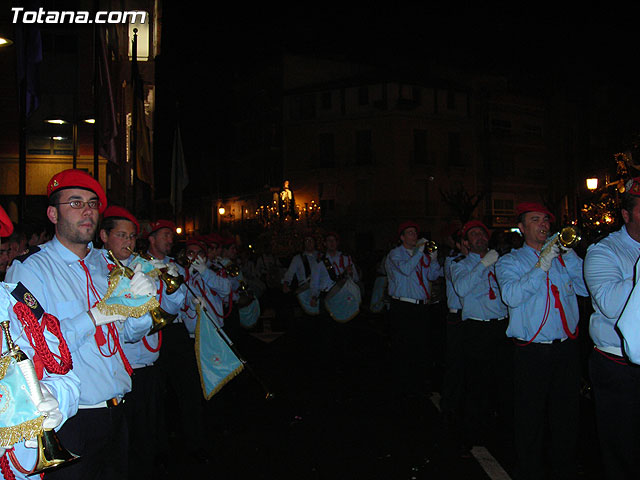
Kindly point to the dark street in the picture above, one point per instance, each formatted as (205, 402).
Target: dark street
(344, 422)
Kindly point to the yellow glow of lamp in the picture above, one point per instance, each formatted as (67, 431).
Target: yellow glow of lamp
(178, 230)
(592, 184)
(221, 210)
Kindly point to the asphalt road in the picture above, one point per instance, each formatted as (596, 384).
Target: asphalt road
(341, 420)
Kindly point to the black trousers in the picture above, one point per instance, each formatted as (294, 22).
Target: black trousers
(546, 396)
(184, 401)
(616, 389)
(453, 379)
(144, 409)
(484, 358)
(411, 355)
(100, 437)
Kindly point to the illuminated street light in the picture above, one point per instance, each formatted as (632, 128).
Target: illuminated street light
(592, 184)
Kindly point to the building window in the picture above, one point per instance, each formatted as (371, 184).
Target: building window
(420, 144)
(308, 107)
(451, 100)
(364, 152)
(363, 95)
(325, 100)
(499, 125)
(454, 153)
(326, 150)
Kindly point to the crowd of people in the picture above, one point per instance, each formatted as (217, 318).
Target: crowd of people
(113, 317)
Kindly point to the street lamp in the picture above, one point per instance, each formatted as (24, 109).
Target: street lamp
(592, 184)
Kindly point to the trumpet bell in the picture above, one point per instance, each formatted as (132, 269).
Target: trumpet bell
(171, 283)
(51, 453)
(568, 237)
(160, 319)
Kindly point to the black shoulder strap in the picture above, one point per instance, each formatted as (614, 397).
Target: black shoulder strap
(330, 270)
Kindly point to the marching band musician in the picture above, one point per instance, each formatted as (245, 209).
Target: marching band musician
(332, 265)
(60, 386)
(484, 324)
(609, 275)
(69, 277)
(214, 249)
(410, 272)
(325, 274)
(300, 266)
(177, 359)
(540, 288)
(118, 232)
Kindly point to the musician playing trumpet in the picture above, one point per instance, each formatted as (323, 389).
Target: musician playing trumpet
(539, 287)
(69, 277)
(411, 270)
(59, 385)
(118, 231)
(484, 322)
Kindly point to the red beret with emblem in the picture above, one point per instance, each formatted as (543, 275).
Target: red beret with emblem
(158, 224)
(633, 186)
(6, 226)
(121, 212)
(473, 224)
(408, 224)
(526, 207)
(73, 178)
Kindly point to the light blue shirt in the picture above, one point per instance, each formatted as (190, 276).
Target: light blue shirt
(215, 289)
(65, 388)
(530, 301)
(321, 280)
(406, 271)
(474, 283)
(454, 302)
(56, 278)
(608, 273)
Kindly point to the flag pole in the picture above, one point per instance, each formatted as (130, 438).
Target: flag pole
(134, 115)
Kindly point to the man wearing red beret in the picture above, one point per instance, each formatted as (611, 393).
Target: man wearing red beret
(118, 231)
(410, 271)
(539, 287)
(484, 317)
(69, 277)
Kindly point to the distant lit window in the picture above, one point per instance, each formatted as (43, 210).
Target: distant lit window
(363, 95)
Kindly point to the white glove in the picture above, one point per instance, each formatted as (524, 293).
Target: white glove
(422, 243)
(199, 265)
(489, 258)
(547, 258)
(2, 450)
(50, 409)
(197, 301)
(100, 318)
(172, 269)
(141, 284)
(157, 264)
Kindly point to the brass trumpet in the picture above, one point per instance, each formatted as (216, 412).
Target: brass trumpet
(171, 283)
(567, 237)
(160, 317)
(51, 453)
(429, 245)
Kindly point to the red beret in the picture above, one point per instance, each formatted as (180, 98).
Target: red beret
(6, 226)
(213, 238)
(120, 212)
(526, 207)
(227, 241)
(633, 186)
(73, 178)
(473, 224)
(158, 224)
(197, 241)
(408, 224)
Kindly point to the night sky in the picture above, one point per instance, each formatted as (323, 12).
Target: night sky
(539, 48)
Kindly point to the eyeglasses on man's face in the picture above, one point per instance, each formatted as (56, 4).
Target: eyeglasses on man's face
(125, 235)
(78, 204)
